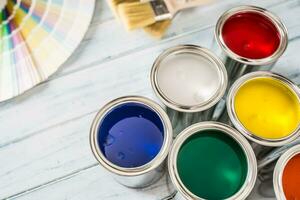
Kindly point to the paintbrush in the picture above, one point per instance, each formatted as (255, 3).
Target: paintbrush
(138, 15)
(115, 3)
(156, 30)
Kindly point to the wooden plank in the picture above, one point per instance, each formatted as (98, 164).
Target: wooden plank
(46, 156)
(90, 185)
(94, 185)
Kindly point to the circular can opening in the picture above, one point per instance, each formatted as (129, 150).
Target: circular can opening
(251, 35)
(265, 107)
(130, 135)
(210, 160)
(188, 78)
(205, 170)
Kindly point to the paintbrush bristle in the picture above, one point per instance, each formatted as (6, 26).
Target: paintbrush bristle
(136, 15)
(115, 3)
(158, 29)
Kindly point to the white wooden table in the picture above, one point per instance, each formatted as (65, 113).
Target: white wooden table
(44, 146)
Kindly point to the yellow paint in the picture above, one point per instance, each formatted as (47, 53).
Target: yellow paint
(268, 108)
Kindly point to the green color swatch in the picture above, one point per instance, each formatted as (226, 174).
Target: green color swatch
(212, 165)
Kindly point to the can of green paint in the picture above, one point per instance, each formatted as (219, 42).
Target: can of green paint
(210, 160)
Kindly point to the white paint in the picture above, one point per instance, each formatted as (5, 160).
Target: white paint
(188, 79)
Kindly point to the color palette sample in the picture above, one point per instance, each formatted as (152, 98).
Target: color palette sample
(251, 35)
(36, 38)
(291, 178)
(267, 108)
(131, 135)
(188, 79)
(212, 165)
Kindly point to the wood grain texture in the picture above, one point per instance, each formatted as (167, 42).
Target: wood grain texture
(44, 149)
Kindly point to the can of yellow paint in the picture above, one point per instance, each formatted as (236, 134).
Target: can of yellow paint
(265, 108)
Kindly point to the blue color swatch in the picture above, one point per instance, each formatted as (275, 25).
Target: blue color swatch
(131, 135)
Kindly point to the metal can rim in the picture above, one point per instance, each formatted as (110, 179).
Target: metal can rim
(187, 48)
(249, 183)
(156, 161)
(279, 169)
(240, 127)
(272, 17)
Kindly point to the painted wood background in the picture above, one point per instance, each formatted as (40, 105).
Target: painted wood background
(44, 147)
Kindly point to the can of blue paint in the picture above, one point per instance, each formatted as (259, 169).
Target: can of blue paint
(130, 137)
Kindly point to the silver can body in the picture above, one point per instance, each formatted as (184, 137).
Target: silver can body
(237, 65)
(146, 174)
(144, 180)
(182, 192)
(181, 120)
(182, 115)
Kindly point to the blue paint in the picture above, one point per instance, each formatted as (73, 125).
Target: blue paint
(131, 135)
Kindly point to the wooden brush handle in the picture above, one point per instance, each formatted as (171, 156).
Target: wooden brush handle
(176, 5)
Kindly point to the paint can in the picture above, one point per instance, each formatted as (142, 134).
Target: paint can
(131, 137)
(284, 177)
(189, 80)
(265, 108)
(248, 39)
(210, 160)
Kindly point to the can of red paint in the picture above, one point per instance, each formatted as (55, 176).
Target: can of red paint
(249, 38)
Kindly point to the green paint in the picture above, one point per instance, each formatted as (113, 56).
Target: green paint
(212, 165)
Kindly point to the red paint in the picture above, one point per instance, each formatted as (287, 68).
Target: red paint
(251, 35)
(291, 178)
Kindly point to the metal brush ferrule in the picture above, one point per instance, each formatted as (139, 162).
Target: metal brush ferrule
(161, 11)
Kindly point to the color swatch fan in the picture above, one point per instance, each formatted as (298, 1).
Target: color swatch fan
(36, 38)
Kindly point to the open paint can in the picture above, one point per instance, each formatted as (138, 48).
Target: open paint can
(131, 137)
(284, 176)
(210, 160)
(265, 108)
(249, 38)
(189, 80)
